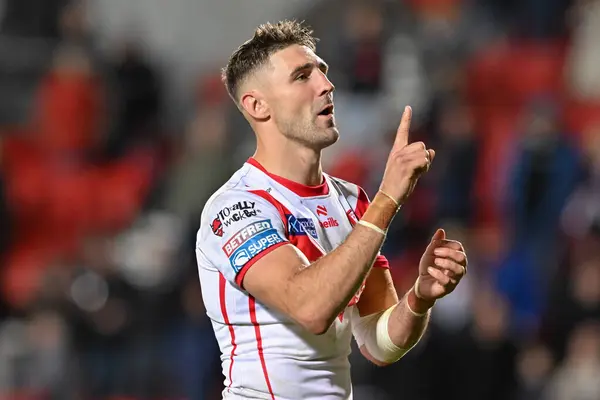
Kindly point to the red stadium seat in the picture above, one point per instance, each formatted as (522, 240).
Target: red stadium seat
(509, 75)
(534, 69)
(21, 275)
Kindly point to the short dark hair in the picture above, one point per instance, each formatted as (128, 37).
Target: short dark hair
(268, 38)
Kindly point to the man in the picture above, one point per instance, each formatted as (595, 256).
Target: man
(288, 256)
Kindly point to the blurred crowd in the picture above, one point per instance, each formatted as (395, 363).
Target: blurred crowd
(100, 197)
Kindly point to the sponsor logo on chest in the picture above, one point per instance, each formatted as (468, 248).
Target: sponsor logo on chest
(301, 226)
(325, 220)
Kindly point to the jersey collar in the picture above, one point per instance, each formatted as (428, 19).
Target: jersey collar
(298, 188)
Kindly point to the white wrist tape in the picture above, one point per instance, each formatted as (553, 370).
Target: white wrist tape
(372, 331)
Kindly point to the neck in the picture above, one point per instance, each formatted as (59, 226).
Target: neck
(291, 161)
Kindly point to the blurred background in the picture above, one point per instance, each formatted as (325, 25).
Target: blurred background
(115, 129)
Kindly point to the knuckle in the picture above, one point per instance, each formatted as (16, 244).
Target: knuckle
(415, 146)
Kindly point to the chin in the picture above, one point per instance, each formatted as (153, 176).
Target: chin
(329, 136)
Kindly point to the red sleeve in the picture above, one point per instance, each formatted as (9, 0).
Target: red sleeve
(381, 262)
(362, 203)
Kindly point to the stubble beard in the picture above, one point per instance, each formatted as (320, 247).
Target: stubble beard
(308, 134)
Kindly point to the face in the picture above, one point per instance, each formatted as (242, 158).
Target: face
(300, 97)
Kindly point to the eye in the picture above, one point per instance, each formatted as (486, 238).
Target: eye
(302, 77)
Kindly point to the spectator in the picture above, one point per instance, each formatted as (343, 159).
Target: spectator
(546, 170)
(138, 96)
(575, 299)
(577, 377)
(69, 107)
(583, 59)
(456, 164)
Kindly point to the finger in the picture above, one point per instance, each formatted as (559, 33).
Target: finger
(431, 155)
(439, 276)
(451, 244)
(439, 234)
(417, 162)
(447, 264)
(437, 237)
(414, 147)
(443, 234)
(452, 254)
(403, 129)
(419, 156)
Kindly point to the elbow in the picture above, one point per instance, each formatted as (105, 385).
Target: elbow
(380, 363)
(372, 359)
(319, 328)
(315, 323)
(316, 326)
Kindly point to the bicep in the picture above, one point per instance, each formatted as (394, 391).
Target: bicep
(269, 278)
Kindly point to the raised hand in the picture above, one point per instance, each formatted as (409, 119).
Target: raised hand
(442, 266)
(406, 162)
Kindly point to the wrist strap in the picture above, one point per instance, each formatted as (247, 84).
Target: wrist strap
(416, 288)
(391, 198)
(413, 312)
(372, 226)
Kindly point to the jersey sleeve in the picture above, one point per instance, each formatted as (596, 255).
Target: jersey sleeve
(361, 203)
(238, 228)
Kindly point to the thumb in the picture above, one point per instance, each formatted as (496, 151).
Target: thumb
(440, 234)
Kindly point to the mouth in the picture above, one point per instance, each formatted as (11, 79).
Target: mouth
(326, 111)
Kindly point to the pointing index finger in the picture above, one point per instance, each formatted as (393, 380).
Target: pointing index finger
(403, 128)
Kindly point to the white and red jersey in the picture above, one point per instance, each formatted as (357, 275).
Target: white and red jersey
(265, 355)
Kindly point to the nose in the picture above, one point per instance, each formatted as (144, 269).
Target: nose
(326, 86)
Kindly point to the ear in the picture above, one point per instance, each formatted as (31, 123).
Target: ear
(255, 105)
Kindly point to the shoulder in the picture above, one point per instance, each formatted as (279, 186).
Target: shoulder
(232, 208)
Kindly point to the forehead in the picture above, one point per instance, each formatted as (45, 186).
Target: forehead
(286, 60)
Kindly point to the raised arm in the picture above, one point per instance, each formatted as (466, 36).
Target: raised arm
(313, 294)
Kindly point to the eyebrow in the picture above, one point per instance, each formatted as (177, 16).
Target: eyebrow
(322, 66)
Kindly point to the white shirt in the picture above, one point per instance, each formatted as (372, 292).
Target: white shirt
(265, 355)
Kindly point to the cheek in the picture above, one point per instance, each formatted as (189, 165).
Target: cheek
(292, 104)
(298, 100)
(292, 109)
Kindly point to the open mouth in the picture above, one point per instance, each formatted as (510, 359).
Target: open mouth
(327, 110)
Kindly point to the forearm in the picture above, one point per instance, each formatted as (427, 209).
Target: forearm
(324, 288)
(404, 327)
